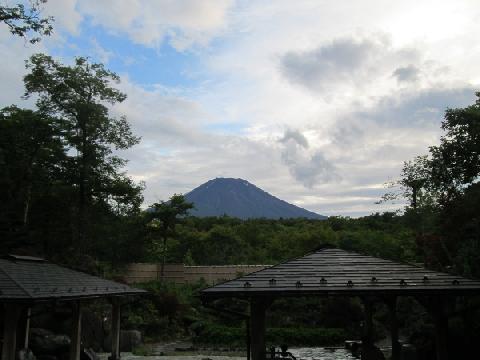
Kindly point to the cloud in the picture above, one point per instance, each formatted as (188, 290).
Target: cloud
(66, 15)
(408, 73)
(306, 167)
(183, 23)
(296, 136)
(344, 62)
(101, 53)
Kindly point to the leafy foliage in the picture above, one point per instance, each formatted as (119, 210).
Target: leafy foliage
(21, 20)
(77, 96)
(64, 194)
(163, 218)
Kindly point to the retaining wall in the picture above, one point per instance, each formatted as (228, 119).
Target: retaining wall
(181, 274)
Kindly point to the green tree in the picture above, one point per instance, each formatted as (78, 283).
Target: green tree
(78, 97)
(32, 161)
(455, 163)
(22, 20)
(164, 216)
(447, 181)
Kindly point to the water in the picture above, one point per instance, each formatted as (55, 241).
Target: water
(320, 353)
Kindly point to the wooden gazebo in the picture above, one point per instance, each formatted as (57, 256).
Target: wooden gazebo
(26, 281)
(334, 272)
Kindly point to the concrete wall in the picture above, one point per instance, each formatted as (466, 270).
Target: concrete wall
(180, 274)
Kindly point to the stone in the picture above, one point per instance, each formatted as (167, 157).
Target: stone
(45, 342)
(26, 354)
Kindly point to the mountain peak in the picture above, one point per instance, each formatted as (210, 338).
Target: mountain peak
(242, 199)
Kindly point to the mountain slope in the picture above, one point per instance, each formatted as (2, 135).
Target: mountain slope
(239, 198)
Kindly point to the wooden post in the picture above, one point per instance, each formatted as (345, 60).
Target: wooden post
(12, 315)
(76, 337)
(440, 319)
(247, 327)
(257, 328)
(392, 307)
(116, 308)
(27, 328)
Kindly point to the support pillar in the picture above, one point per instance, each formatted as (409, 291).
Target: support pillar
(76, 338)
(248, 337)
(12, 315)
(440, 319)
(392, 307)
(27, 328)
(116, 308)
(257, 328)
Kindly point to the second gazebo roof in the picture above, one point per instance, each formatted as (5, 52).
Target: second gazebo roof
(334, 271)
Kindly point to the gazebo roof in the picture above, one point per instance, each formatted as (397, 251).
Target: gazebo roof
(25, 278)
(331, 271)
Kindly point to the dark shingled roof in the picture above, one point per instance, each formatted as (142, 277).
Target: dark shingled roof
(331, 271)
(33, 279)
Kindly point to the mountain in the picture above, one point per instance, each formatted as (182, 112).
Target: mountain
(241, 199)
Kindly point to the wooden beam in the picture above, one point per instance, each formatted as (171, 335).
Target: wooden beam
(116, 310)
(76, 337)
(257, 328)
(12, 315)
(392, 307)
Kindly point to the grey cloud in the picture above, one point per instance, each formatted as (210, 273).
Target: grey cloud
(344, 61)
(408, 73)
(296, 136)
(425, 107)
(336, 61)
(309, 169)
(422, 110)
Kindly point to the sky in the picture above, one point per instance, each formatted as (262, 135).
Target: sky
(316, 102)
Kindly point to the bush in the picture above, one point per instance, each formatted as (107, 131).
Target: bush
(234, 336)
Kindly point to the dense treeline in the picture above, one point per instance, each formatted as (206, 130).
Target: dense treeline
(219, 241)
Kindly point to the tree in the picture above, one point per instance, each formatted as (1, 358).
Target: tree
(448, 179)
(32, 161)
(412, 184)
(455, 163)
(21, 21)
(163, 218)
(78, 97)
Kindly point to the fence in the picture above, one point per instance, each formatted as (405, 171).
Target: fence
(181, 274)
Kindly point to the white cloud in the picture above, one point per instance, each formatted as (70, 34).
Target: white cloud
(183, 23)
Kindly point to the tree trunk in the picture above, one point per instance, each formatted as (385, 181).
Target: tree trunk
(82, 218)
(164, 256)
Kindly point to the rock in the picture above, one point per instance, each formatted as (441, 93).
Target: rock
(129, 339)
(89, 354)
(44, 342)
(26, 354)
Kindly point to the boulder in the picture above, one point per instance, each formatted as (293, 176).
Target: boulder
(26, 354)
(43, 341)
